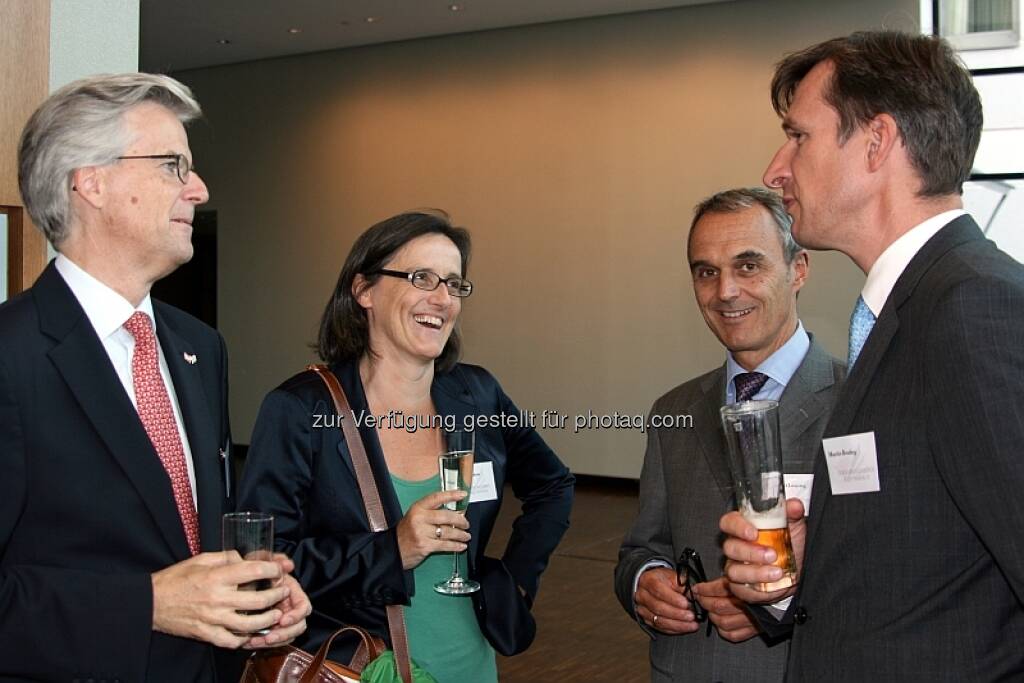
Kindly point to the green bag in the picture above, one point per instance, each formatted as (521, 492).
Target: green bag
(384, 670)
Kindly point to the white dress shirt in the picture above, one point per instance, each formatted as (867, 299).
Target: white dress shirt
(894, 260)
(107, 312)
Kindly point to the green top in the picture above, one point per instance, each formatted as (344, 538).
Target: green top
(444, 637)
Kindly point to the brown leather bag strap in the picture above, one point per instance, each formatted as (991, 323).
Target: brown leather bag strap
(371, 501)
(364, 475)
(312, 674)
(400, 641)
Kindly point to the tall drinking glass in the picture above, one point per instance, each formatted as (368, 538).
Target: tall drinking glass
(755, 459)
(252, 535)
(456, 468)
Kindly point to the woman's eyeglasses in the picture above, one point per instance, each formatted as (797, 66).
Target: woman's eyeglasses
(429, 281)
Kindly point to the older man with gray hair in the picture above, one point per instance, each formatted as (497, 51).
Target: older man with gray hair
(747, 271)
(114, 438)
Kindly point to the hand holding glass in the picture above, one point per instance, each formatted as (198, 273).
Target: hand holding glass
(252, 535)
(755, 459)
(456, 468)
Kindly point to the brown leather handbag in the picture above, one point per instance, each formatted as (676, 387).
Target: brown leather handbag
(293, 665)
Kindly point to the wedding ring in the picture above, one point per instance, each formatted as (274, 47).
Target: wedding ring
(654, 621)
(437, 532)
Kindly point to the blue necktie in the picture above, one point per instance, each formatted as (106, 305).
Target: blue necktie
(861, 323)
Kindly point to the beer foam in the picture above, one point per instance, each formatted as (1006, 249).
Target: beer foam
(770, 519)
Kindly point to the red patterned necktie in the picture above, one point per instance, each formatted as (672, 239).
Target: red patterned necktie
(154, 406)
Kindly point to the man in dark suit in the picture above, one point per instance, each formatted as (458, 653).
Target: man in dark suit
(113, 414)
(747, 272)
(913, 564)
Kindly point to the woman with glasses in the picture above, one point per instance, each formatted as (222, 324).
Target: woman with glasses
(389, 334)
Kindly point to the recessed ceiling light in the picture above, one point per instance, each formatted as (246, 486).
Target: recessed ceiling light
(456, 8)
(370, 20)
(223, 41)
(295, 30)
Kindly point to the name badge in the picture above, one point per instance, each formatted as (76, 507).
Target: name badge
(852, 463)
(483, 483)
(799, 486)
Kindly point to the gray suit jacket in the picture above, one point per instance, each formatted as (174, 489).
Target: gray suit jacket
(686, 487)
(924, 579)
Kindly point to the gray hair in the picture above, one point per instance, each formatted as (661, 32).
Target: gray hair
(82, 124)
(731, 201)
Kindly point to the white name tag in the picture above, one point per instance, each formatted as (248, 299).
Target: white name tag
(483, 483)
(799, 486)
(852, 463)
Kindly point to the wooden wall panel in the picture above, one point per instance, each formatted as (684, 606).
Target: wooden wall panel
(24, 83)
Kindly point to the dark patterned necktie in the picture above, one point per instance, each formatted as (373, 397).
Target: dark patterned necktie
(748, 384)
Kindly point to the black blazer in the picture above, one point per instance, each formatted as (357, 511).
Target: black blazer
(86, 508)
(302, 474)
(924, 580)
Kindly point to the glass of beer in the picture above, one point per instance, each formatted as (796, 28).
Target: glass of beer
(252, 535)
(755, 459)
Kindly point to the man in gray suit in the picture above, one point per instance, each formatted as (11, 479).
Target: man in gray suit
(911, 563)
(747, 272)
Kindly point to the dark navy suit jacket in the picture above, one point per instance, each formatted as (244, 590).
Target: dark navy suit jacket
(303, 475)
(924, 579)
(86, 508)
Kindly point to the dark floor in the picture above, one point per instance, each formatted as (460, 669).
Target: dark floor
(582, 632)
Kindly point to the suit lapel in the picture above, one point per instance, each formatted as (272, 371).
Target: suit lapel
(707, 422)
(82, 361)
(801, 406)
(858, 380)
(196, 413)
(860, 377)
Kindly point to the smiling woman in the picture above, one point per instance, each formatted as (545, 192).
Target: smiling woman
(390, 334)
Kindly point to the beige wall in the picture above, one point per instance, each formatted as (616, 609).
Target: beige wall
(574, 153)
(24, 57)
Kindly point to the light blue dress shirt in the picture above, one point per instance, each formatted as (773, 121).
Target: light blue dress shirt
(780, 368)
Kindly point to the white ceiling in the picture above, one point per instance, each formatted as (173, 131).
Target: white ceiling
(184, 34)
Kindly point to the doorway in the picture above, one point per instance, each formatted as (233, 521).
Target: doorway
(193, 286)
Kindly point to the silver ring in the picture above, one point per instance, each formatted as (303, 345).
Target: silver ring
(437, 532)
(654, 621)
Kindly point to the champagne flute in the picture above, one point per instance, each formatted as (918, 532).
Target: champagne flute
(456, 467)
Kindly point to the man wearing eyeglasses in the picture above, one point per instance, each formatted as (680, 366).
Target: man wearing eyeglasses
(113, 415)
(747, 272)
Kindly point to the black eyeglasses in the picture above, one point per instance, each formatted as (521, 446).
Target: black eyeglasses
(690, 570)
(182, 166)
(429, 281)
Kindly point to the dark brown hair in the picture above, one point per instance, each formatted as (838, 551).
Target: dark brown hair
(344, 328)
(918, 80)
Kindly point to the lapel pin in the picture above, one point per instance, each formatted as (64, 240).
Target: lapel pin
(190, 358)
